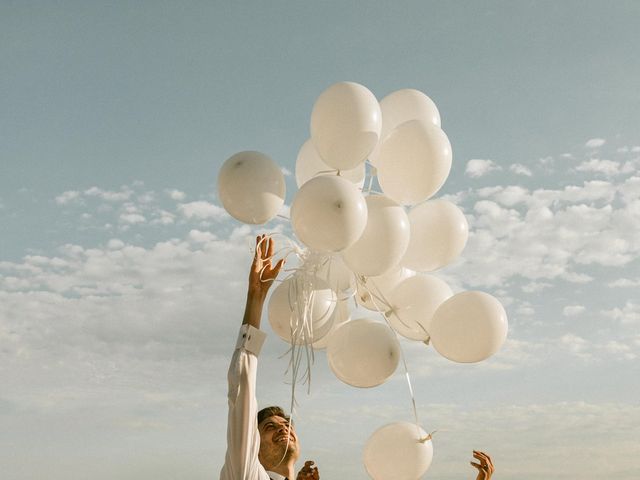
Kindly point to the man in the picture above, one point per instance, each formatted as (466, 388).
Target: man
(264, 445)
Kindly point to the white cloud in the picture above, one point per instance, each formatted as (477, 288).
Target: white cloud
(147, 198)
(577, 346)
(520, 169)
(201, 237)
(507, 196)
(115, 244)
(605, 167)
(132, 218)
(176, 195)
(201, 209)
(109, 195)
(548, 234)
(163, 218)
(67, 197)
(478, 167)
(573, 310)
(525, 310)
(595, 142)
(110, 299)
(619, 349)
(629, 314)
(624, 283)
(534, 287)
(575, 277)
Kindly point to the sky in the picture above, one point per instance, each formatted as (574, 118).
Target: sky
(122, 278)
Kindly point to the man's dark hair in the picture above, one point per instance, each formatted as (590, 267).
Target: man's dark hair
(270, 412)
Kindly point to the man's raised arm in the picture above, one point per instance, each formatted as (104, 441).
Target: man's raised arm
(261, 277)
(243, 439)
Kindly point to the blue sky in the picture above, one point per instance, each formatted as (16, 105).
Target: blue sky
(122, 280)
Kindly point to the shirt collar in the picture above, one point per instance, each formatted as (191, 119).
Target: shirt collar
(276, 476)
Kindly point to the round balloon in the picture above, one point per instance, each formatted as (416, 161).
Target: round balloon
(341, 314)
(413, 304)
(309, 165)
(363, 352)
(398, 451)
(439, 232)
(384, 240)
(251, 187)
(345, 124)
(414, 162)
(328, 213)
(469, 327)
(402, 106)
(373, 292)
(291, 299)
(333, 270)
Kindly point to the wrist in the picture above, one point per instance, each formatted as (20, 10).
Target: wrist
(255, 300)
(253, 310)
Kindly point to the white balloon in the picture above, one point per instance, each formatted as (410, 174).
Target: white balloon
(363, 352)
(414, 162)
(287, 307)
(309, 165)
(469, 327)
(402, 106)
(373, 292)
(413, 304)
(439, 233)
(398, 451)
(345, 124)
(251, 187)
(333, 270)
(341, 314)
(384, 240)
(328, 213)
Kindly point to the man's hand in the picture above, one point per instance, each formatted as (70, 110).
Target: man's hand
(262, 273)
(485, 465)
(261, 277)
(308, 472)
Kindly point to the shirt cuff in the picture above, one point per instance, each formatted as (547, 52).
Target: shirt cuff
(250, 339)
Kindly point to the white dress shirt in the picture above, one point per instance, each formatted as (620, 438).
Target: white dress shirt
(276, 476)
(243, 439)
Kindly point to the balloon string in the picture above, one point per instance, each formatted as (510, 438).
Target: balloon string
(402, 355)
(300, 299)
(285, 252)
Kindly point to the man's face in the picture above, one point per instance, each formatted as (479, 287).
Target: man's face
(278, 442)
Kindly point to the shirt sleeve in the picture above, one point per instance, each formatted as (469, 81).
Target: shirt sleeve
(243, 440)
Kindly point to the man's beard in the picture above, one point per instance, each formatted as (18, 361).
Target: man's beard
(281, 453)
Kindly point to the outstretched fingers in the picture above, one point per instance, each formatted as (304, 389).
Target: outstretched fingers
(262, 266)
(257, 257)
(484, 464)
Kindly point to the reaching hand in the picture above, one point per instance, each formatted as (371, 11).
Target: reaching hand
(262, 273)
(485, 466)
(308, 472)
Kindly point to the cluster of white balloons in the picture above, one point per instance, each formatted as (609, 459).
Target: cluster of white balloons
(379, 248)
